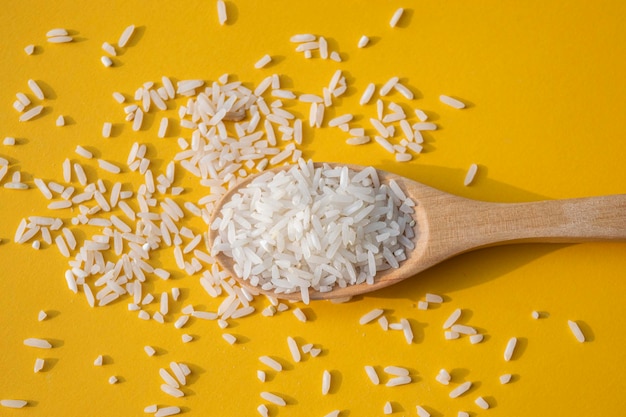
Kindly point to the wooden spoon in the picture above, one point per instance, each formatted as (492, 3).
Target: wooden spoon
(449, 225)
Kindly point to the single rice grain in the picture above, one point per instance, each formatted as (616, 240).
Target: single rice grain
(395, 18)
(125, 36)
(452, 102)
(510, 349)
(576, 331)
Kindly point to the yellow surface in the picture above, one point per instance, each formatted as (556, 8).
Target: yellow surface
(546, 87)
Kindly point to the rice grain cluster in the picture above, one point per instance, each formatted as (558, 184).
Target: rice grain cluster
(315, 227)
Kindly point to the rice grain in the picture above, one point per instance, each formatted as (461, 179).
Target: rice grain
(576, 331)
(126, 36)
(396, 17)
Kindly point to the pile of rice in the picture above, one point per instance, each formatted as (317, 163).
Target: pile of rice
(314, 227)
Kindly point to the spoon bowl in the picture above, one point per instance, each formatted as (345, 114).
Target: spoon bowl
(447, 225)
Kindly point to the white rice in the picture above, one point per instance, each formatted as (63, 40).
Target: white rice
(576, 331)
(322, 271)
(221, 12)
(300, 315)
(151, 409)
(396, 17)
(407, 331)
(56, 32)
(37, 343)
(396, 370)
(380, 128)
(229, 338)
(167, 411)
(263, 410)
(388, 86)
(34, 87)
(41, 316)
(13, 403)
(80, 174)
(476, 338)
(421, 115)
(510, 349)
(460, 390)
(452, 318)
(363, 41)
(434, 298)
(360, 140)
(39, 364)
(294, 349)
(266, 59)
(174, 392)
(181, 321)
(163, 127)
(443, 377)
(272, 363)
(323, 47)
(176, 294)
(402, 89)
(60, 121)
(452, 102)
(18, 106)
(109, 49)
(302, 37)
(8, 141)
(137, 120)
(125, 36)
(424, 126)
(106, 129)
(422, 305)
(471, 173)
(463, 414)
(168, 378)
(334, 56)
(367, 94)
(41, 185)
(387, 409)
(98, 361)
(505, 378)
(261, 376)
(371, 316)
(398, 380)
(150, 351)
(59, 205)
(83, 152)
(336, 121)
(535, 315)
(273, 398)
(108, 166)
(23, 99)
(113, 380)
(60, 39)
(119, 97)
(482, 403)
(326, 380)
(372, 375)
(463, 329)
(30, 114)
(106, 61)
(29, 49)
(421, 412)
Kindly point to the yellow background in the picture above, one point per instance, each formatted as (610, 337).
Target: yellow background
(546, 87)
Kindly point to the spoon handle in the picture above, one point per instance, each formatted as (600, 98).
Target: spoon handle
(567, 221)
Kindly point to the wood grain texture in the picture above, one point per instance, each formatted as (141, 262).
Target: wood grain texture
(448, 225)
